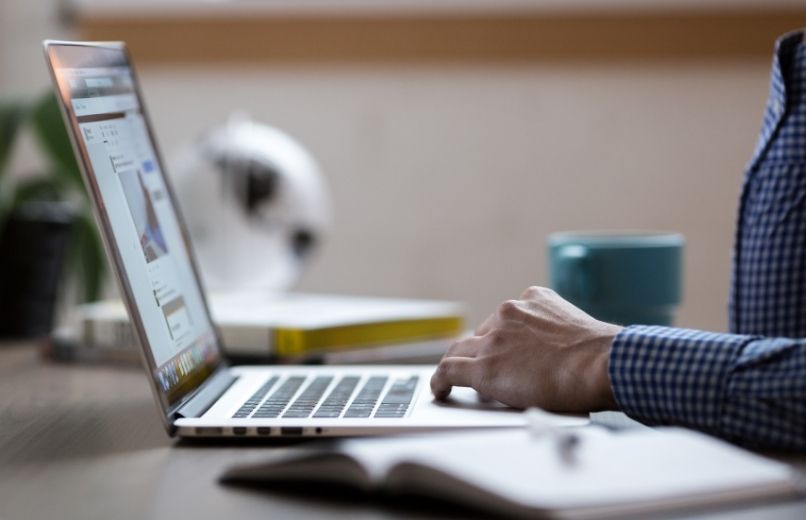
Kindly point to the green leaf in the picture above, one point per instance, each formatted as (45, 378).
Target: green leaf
(48, 126)
(87, 257)
(61, 182)
(12, 114)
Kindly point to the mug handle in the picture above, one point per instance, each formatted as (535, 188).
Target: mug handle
(575, 282)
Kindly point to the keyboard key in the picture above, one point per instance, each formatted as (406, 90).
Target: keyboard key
(304, 405)
(249, 406)
(397, 400)
(338, 398)
(278, 400)
(364, 402)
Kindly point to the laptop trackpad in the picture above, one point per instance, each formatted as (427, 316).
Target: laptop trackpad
(469, 399)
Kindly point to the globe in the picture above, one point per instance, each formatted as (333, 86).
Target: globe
(255, 204)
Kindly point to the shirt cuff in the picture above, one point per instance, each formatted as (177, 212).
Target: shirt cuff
(662, 375)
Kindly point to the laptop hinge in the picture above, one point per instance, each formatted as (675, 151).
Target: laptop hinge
(208, 394)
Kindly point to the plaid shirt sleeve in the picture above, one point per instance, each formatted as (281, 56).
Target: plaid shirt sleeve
(747, 389)
(749, 386)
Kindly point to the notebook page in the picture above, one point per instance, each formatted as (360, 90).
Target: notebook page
(607, 469)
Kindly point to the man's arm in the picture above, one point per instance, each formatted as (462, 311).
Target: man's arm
(747, 389)
(542, 351)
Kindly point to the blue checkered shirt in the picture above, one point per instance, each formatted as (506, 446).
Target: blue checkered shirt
(748, 386)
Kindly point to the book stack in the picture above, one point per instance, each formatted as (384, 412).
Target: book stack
(287, 328)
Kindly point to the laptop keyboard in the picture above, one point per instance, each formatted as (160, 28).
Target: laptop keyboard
(397, 399)
(337, 400)
(364, 402)
(278, 400)
(394, 404)
(304, 404)
(249, 406)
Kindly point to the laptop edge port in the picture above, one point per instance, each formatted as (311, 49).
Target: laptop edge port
(209, 431)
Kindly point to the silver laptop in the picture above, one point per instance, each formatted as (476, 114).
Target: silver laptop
(198, 393)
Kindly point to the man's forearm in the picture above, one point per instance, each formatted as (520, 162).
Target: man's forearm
(747, 389)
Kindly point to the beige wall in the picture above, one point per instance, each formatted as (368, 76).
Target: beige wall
(446, 181)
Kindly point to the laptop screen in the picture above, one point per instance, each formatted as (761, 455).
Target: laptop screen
(146, 241)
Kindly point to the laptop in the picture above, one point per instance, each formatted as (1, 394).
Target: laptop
(197, 392)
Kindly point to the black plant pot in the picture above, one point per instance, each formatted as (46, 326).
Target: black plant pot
(33, 249)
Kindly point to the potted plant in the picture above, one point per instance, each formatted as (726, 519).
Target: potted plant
(45, 223)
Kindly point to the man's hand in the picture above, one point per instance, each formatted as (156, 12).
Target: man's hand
(537, 351)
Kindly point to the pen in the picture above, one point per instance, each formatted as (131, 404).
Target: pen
(540, 425)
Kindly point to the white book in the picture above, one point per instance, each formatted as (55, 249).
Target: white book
(293, 325)
(609, 474)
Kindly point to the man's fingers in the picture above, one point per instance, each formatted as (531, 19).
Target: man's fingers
(487, 325)
(468, 347)
(452, 371)
(535, 291)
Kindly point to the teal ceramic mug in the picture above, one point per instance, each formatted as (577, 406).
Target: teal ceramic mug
(625, 277)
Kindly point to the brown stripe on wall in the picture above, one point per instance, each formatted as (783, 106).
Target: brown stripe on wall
(504, 38)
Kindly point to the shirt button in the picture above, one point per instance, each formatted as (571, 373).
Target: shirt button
(777, 107)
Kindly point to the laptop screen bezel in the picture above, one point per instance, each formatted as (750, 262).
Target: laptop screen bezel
(107, 54)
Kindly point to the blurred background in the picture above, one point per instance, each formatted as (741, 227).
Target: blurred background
(455, 135)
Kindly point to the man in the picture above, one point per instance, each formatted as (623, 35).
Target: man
(748, 386)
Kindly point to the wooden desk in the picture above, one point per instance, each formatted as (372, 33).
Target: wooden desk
(85, 442)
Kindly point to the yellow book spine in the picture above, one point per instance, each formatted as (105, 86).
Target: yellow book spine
(295, 342)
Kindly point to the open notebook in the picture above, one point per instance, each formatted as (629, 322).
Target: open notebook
(512, 472)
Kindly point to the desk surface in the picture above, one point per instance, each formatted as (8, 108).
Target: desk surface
(86, 442)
